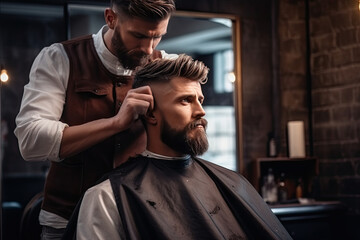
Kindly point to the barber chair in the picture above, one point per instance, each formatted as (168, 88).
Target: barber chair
(30, 228)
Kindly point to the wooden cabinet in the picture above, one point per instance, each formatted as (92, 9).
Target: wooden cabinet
(294, 170)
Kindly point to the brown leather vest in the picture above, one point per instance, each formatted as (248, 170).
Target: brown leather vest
(92, 93)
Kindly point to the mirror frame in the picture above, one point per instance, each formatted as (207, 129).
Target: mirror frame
(236, 41)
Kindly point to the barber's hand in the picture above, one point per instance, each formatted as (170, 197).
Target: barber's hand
(136, 103)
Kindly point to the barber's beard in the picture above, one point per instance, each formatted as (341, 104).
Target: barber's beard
(191, 140)
(130, 59)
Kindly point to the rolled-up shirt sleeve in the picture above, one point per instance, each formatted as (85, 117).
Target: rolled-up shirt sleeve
(98, 216)
(38, 126)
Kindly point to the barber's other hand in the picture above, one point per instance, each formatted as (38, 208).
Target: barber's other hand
(136, 103)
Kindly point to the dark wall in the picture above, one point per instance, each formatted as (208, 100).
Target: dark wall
(334, 65)
(320, 84)
(335, 49)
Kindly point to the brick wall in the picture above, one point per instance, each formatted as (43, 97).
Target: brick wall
(292, 67)
(335, 61)
(334, 28)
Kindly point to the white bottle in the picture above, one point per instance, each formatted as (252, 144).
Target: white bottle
(269, 189)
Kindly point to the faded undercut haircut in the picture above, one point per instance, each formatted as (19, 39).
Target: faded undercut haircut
(145, 9)
(163, 70)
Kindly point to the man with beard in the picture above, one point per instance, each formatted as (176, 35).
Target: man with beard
(78, 109)
(167, 192)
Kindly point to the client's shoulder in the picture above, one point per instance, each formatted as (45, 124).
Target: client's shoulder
(219, 171)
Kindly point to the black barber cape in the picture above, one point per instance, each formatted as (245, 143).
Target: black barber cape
(187, 199)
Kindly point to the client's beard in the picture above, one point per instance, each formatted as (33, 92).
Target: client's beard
(130, 59)
(190, 140)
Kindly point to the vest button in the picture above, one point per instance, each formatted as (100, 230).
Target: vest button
(120, 103)
(119, 84)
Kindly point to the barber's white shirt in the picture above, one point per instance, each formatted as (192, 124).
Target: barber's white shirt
(98, 216)
(38, 128)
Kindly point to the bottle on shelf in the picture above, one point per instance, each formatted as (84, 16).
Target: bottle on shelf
(263, 188)
(282, 189)
(271, 146)
(269, 188)
(299, 189)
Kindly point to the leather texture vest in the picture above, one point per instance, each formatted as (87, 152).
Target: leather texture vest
(92, 93)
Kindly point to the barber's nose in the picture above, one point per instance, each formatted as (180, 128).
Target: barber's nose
(147, 46)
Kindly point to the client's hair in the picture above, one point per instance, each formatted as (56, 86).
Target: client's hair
(163, 70)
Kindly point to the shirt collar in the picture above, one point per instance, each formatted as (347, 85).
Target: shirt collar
(147, 153)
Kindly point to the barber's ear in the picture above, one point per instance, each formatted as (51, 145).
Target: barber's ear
(110, 18)
(150, 118)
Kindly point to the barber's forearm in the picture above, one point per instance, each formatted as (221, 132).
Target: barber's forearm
(81, 137)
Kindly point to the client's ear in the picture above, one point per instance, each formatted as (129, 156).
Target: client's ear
(150, 118)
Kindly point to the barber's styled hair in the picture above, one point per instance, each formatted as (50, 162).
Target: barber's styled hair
(163, 70)
(145, 9)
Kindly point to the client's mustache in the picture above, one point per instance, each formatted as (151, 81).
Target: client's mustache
(202, 121)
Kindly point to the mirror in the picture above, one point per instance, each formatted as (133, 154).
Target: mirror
(213, 39)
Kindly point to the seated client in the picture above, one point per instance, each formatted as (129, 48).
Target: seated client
(168, 192)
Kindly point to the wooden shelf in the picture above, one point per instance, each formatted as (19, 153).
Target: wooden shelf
(293, 168)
